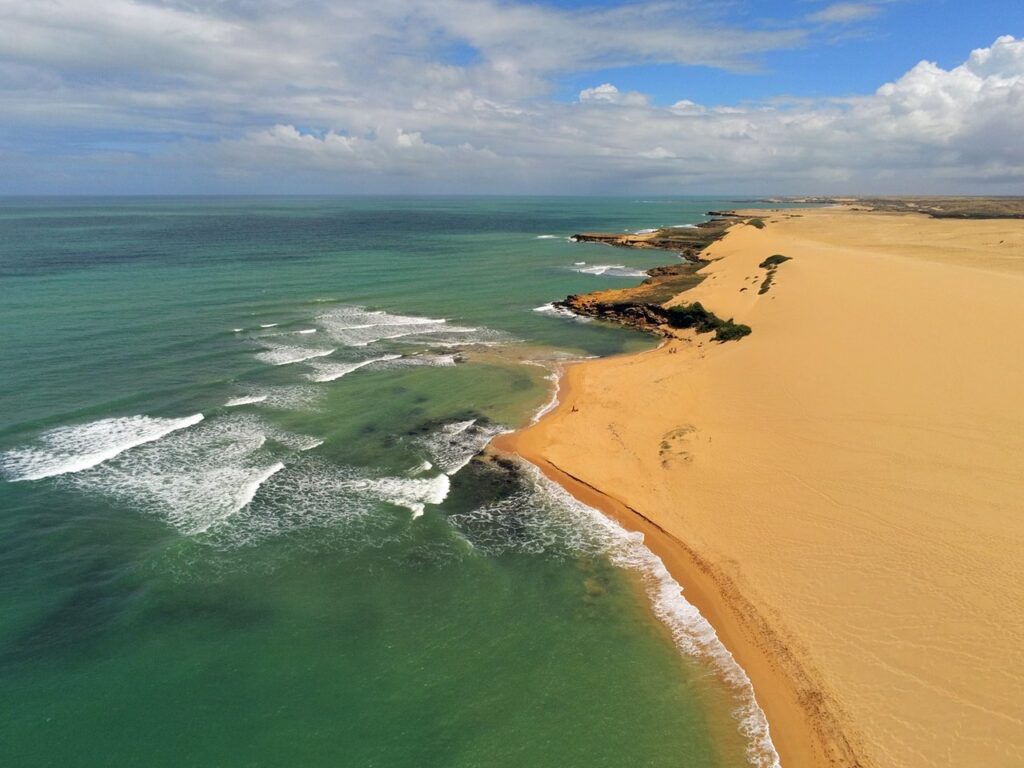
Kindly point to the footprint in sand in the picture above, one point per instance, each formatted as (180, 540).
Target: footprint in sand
(676, 445)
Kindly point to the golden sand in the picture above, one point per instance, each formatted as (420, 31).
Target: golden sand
(842, 492)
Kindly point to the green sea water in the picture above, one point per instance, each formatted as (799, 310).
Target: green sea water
(239, 520)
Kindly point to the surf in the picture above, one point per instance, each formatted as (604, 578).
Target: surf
(71, 449)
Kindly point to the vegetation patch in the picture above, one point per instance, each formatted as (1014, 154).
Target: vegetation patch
(773, 261)
(771, 264)
(756, 223)
(701, 320)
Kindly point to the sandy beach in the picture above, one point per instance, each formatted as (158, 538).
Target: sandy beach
(841, 493)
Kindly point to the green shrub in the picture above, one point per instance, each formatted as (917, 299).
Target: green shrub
(692, 316)
(730, 331)
(756, 223)
(773, 261)
(696, 317)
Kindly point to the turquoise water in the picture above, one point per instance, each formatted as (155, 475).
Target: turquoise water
(239, 524)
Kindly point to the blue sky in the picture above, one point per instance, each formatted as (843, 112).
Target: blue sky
(421, 96)
(837, 59)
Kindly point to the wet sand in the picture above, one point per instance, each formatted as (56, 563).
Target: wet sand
(841, 493)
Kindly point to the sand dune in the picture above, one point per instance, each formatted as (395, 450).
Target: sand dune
(842, 492)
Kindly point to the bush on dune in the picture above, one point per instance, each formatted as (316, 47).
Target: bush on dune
(701, 320)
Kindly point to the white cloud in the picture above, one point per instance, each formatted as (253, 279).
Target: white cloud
(455, 95)
(392, 151)
(927, 130)
(845, 13)
(609, 94)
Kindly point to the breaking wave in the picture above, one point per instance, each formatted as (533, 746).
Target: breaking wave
(331, 371)
(77, 448)
(359, 327)
(551, 309)
(198, 478)
(279, 354)
(609, 270)
(454, 445)
(234, 402)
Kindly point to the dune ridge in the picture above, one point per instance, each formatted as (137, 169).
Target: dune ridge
(840, 492)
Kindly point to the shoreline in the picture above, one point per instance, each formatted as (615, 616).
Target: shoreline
(821, 533)
(738, 628)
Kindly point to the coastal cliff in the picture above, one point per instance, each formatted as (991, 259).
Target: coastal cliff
(653, 305)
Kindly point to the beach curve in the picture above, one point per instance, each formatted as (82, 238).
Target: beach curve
(809, 491)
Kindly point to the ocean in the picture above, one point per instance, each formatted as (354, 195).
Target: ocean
(240, 519)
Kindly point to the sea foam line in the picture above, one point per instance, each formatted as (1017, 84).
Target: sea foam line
(413, 493)
(552, 402)
(610, 270)
(76, 448)
(693, 634)
(328, 372)
(568, 314)
(244, 497)
(290, 355)
(234, 402)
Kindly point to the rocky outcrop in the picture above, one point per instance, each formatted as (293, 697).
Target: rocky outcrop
(643, 306)
(687, 241)
(655, 318)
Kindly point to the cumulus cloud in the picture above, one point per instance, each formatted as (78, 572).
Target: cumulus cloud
(609, 94)
(457, 95)
(932, 127)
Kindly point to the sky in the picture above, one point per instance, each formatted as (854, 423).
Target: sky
(755, 97)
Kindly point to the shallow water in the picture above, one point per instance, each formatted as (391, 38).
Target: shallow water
(239, 524)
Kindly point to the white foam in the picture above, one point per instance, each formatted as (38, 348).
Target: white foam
(291, 396)
(283, 355)
(454, 445)
(331, 371)
(568, 314)
(291, 440)
(314, 492)
(552, 402)
(545, 518)
(357, 327)
(610, 270)
(269, 325)
(692, 633)
(646, 231)
(243, 497)
(306, 331)
(684, 226)
(246, 400)
(547, 237)
(76, 448)
(237, 330)
(197, 479)
(579, 263)
(309, 492)
(413, 493)
(426, 360)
